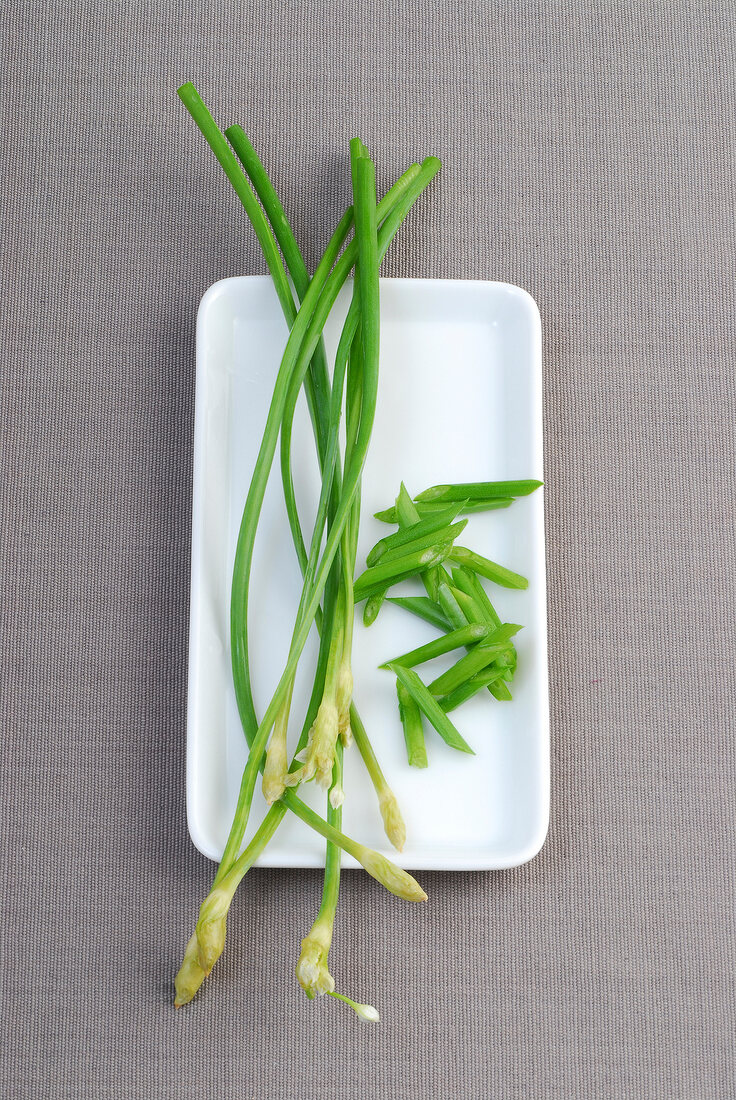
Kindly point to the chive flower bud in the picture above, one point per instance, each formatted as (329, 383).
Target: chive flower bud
(395, 879)
(393, 822)
(210, 931)
(190, 976)
(277, 766)
(319, 754)
(366, 1012)
(311, 969)
(337, 795)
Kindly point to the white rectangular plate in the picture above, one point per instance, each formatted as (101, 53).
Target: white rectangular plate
(459, 400)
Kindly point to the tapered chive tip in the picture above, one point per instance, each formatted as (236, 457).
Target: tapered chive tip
(190, 976)
(393, 821)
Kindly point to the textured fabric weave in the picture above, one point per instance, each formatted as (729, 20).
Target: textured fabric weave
(588, 152)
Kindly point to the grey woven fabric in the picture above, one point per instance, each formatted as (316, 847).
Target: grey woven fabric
(588, 153)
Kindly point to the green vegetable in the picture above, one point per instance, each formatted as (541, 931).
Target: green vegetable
(478, 490)
(486, 568)
(466, 635)
(450, 607)
(409, 534)
(425, 510)
(424, 608)
(479, 657)
(411, 720)
(372, 606)
(328, 566)
(467, 581)
(471, 687)
(430, 708)
(386, 573)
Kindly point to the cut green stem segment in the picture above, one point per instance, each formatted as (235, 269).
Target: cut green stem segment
(426, 510)
(479, 657)
(372, 606)
(478, 490)
(409, 534)
(469, 605)
(446, 534)
(430, 708)
(500, 690)
(471, 687)
(380, 576)
(411, 721)
(450, 607)
(423, 608)
(467, 581)
(456, 639)
(489, 569)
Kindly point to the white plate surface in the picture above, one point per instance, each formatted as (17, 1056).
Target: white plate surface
(460, 400)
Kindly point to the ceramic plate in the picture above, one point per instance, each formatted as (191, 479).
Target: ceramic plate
(460, 400)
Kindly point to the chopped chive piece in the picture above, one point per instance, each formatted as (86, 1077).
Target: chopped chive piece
(406, 509)
(470, 584)
(499, 690)
(479, 490)
(450, 606)
(411, 532)
(470, 607)
(479, 657)
(378, 577)
(372, 607)
(467, 508)
(411, 720)
(497, 573)
(423, 542)
(424, 608)
(432, 581)
(430, 708)
(470, 688)
(504, 633)
(466, 635)
(427, 509)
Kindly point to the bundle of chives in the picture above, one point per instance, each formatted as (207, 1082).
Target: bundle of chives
(328, 566)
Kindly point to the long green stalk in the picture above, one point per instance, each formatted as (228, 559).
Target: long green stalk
(255, 496)
(303, 338)
(297, 270)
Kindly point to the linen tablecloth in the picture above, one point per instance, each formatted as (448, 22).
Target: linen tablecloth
(588, 156)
